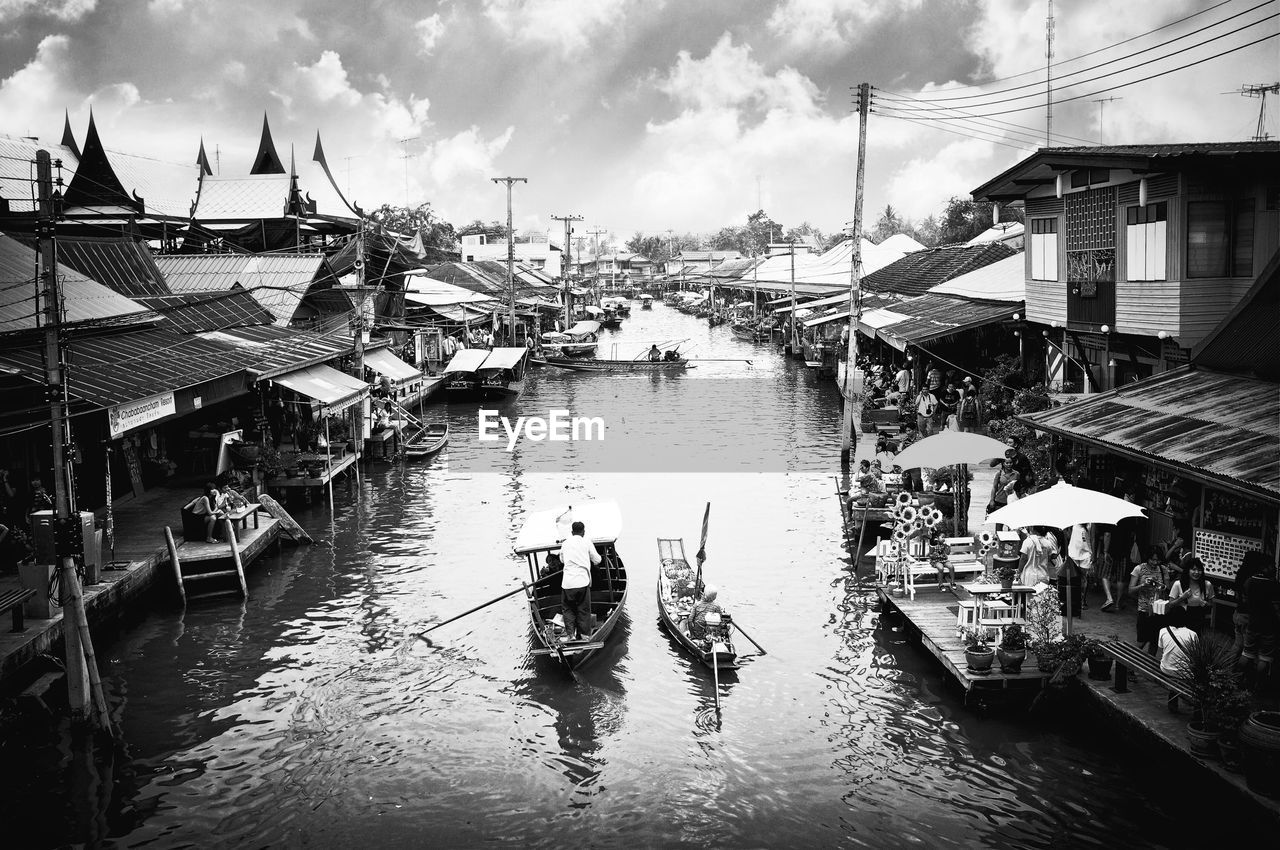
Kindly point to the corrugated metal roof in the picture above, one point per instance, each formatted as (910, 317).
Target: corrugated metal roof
(17, 169)
(123, 264)
(84, 299)
(110, 370)
(277, 281)
(933, 316)
(1219, 426)
(1246, 342)
(918, 272)
(190, 312)
(275, 350)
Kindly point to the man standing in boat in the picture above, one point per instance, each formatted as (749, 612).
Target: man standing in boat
(579, 555)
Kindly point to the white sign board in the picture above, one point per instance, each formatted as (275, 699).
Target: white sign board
(126, 417)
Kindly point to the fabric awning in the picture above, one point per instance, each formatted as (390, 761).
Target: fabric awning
(873, 320)
(1215, 427)
(504, 358)
(336, 391)
(584, 327)
(467, 360)
(393, 367)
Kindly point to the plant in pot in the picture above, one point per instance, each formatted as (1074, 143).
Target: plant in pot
(1012, 650)
(1099, 662)
(1208, 671)
(1005, 572)
(977, 654)
(1044, 628)
(1072, 651)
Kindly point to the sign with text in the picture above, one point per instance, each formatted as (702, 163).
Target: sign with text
(126, 417)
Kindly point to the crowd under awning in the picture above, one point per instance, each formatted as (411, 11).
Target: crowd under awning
(335, 391)
(1213, 427)
(400, 372)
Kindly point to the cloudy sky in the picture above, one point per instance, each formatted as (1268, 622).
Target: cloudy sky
(640, 115)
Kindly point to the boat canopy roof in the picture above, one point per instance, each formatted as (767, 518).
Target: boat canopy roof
(592, 310)
(585, 327)
(505, 358)
(546, 530)
(467, 360)
(646, 297)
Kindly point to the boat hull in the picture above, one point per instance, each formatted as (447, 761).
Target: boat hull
(598, 365)
(436, 438)
(608, 599)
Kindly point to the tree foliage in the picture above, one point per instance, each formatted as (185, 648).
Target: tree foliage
(438, 236)
(494, 231)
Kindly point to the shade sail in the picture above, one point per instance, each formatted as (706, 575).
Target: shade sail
(548, 529)
(504, 358)
(336, 391)
(388, 364)
(467, 360)
(1062, 506)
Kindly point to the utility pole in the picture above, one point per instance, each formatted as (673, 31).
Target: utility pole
(1048, 78)
(595, 235)
(850, 388)
(1261, 91)
(794, 329)
(357, 323)
(1102, 101)
(405, 157)
(81, 667)
(564, 278)
(511, 251)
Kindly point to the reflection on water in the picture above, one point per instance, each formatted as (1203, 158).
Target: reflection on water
(313, 714)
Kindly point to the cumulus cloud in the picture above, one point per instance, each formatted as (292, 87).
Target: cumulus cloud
(828, 25)
(26, 95)
(429, 31)
(921, 186)
(729, 77)
(567, 26)
(64, 10)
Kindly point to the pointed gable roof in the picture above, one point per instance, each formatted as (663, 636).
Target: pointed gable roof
(267, 161)
(95, 183)
(68, 138)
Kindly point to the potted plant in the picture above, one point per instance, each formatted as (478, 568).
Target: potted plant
(1005, 571)
(1012, 650)
(1044, 628)
(1260, 752)
(977, 653)
(1099, 662)
(1072, 650)
(1209, 673)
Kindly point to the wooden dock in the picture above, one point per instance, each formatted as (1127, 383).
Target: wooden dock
(226, 559)
(930, 618)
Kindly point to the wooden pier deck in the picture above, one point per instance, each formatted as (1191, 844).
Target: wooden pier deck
(253, 541)
(931, 618)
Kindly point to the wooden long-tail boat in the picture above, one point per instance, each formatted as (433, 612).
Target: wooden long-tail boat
(544, 532)
(676, 595)
(598, 365)
(430, 440)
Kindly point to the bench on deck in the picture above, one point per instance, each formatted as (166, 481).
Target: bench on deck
(12, 600)
(1129, 657)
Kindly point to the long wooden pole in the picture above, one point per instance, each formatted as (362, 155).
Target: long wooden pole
(523, 587)
(850, 390)
(177, 566)
(235, 556)
(80, 619)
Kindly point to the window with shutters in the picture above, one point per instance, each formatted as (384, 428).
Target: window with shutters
(1044, 249)
(1220, 238)
(1145, 248)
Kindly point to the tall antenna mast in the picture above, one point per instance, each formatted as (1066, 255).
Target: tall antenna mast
(1048, 77)
(1261, 91)
(1102, 101)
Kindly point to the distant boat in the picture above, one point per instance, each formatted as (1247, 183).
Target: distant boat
(580, 340)
(676, 595)
(751, 332)
(598, 365)
(460, 374)
(646, 302)
(544, 532)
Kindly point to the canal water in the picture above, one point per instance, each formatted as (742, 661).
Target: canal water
(312, 715)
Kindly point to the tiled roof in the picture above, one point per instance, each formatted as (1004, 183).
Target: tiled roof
(122, 264)
(1217, 426)
(83, 299)
(918, 272)
(209, 311)
(166, 188)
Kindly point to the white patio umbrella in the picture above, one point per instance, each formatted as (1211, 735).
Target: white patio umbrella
(1062, 506)
(948, 448)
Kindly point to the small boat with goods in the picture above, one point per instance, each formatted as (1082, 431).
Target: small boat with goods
(429, 441)
(646, 302)
(542, 537)
(617, 305)
(670, 360)
(460, 379)
(751, 331)
(502, 374)
(679, 588)
(581, 340)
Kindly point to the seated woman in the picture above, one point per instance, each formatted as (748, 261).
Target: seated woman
(206, 506)
(698, 617)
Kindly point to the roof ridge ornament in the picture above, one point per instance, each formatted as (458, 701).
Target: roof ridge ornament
(266, 161)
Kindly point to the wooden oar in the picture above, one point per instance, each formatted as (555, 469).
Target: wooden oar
(715, 676)
(523, 587)
(749, 637)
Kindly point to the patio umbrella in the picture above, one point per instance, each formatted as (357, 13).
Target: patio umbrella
(1062, 506)
(948, 448)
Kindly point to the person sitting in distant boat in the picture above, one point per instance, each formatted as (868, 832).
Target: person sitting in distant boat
(698, 616)
(654, 354)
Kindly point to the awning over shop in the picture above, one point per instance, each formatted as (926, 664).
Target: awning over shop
(461, 314)
(583, 328)
(932, 316)
(1214, 427)
(393, 367)
(336, 391)
(873, 320)
(838, 316)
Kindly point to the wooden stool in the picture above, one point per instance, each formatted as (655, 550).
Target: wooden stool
(995, 616)
(967, 616)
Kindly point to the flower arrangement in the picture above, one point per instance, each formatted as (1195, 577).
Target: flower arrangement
(975, 640)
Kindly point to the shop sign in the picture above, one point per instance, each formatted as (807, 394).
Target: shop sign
(126, 417)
